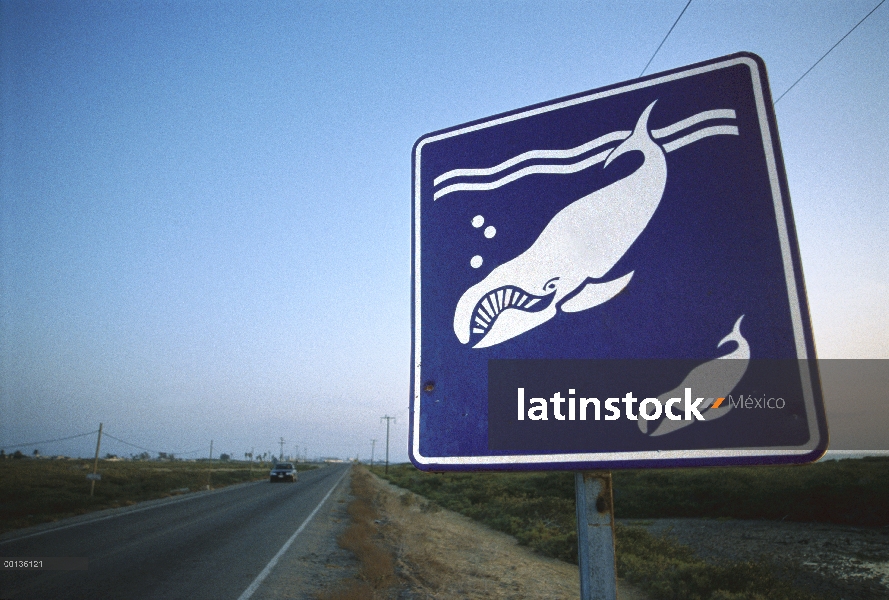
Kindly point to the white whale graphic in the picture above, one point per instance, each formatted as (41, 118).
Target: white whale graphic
(714, 379)
(578, 246)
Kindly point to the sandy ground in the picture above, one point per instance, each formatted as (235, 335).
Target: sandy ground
(440, 554)
(443, 555)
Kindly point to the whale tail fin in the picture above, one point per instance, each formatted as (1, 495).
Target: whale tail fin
(638, 140)
(743, 349)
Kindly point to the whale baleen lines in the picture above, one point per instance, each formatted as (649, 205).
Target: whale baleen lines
(487, 310)
(576, 249)
(567, 169)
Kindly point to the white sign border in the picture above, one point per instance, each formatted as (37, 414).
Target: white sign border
(614, 457)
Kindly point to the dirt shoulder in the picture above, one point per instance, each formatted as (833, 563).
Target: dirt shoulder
(315, 562)
(441, 554)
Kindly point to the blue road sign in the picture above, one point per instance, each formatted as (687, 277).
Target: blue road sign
(612, 280)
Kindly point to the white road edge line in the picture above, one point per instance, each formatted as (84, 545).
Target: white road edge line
(184, 498)
(268, 568)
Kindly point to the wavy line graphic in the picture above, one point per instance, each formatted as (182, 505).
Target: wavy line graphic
(693, 120)
(699, 135)
(532, 170)
(566, 169)
(617, 136)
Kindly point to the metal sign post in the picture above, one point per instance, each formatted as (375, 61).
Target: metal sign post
(595, 536)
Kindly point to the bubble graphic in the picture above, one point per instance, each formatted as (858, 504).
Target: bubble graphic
(476, 261)
(478, 221)
(490, 231)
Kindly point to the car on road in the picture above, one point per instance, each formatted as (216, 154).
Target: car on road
(283, 472)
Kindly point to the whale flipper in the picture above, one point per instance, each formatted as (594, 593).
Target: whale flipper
(594, 294)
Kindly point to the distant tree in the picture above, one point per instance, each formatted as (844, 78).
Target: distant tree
(18, 454)
(2, 454)
(110, 456)
(36, 452)
(225, 456)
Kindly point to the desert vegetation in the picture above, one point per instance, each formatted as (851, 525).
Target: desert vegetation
(538, 510)
(38, 491)
(845, 492)
(376, 571)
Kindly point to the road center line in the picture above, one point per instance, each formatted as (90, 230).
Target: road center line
(268, 568)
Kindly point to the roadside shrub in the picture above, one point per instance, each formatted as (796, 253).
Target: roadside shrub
(538, 510)
(377, 567)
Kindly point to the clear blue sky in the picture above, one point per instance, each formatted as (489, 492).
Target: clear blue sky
(205, 219)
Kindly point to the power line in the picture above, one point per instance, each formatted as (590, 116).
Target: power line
(829, 51)
(106, 434)
(51, 441)
(79, 435)
(127, 443)
(665, 39)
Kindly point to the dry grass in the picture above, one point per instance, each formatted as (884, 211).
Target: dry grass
(542, 515)
(349, 589)
(439, 554)
(442, 555)
(376, 573)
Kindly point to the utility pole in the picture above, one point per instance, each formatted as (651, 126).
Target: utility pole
(96, 462)
(373, 444)
(210, 466)
(281, 455)
(388, 419)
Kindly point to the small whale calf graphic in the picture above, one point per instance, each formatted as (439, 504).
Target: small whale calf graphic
(711, 380)
(562, 268)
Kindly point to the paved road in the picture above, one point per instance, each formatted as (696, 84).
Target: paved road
(207, 545)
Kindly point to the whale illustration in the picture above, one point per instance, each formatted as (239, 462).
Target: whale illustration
(563, 268)
(711, 380)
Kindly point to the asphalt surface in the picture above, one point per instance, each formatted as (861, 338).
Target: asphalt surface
(204, 545)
